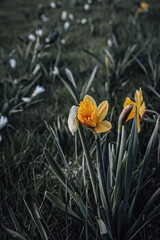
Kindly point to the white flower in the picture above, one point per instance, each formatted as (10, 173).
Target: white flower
(39, 32)
(0, 138)
(44, 18)
(71, 17)
(86, 7)
(73, 122)
(109, 41)
(38, 89)
(55, 71)
(12, 62)
(63, 41)
(31, 37)
(52, 5)
(3, 121)
(64, 15)
(83, 20)
(15, 81)
(66, 25)
(89, 1)
(26, 99)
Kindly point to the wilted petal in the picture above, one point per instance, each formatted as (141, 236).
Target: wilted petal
(73, 122)
(102, 111)
(3, 121)
(103, 126)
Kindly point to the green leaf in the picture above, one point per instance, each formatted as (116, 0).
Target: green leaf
(70, 77)
(102, 227)
(93, 55)
(58, 172)
(108, 223)
(14, 220)
(58, 145)
(146, 160)
(132, 153)
(14, 233)
(62, 178)
(70, 87)
(35, 215)
(61, 205)
(88, 83)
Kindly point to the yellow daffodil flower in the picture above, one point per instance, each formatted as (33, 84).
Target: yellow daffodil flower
(89, 115)
(139, 104)
(143, 7)
(92, 116)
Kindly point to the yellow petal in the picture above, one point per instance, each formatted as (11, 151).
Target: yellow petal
(89, 98)
(142, 109)
(103, 126)
(102, 111)
(138, 97)
(127, 102)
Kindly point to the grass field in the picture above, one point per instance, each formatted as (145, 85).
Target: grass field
(88, 186)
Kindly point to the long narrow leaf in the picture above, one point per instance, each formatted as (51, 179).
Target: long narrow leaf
(132, 153)
(87, 85)
(147, 158)
(60, 205)
(13, 233)
(35, 215)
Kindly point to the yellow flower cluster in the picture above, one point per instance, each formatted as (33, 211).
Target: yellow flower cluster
(92, 117)
(143, 7)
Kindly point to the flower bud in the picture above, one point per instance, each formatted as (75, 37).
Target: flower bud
(124, 115)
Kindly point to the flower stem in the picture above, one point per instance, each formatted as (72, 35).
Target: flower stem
(89, 162)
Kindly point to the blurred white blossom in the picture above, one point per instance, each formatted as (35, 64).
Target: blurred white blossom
(38, 89)
(15, 81)
(64, 15)
(109, 42)
(31, 37)
(89, 1)
(39, 32)
(52, 5)
(12, 62)
(44, 18)
(71, 17)
(55, 71)
(66, 25)
(86, 7)
(26, 99)
(83, 20)
(3, 121)
(63, 41)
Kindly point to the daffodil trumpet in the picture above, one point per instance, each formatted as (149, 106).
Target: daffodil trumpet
(90, 116)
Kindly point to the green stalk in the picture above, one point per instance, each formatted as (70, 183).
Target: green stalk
(89, 162)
